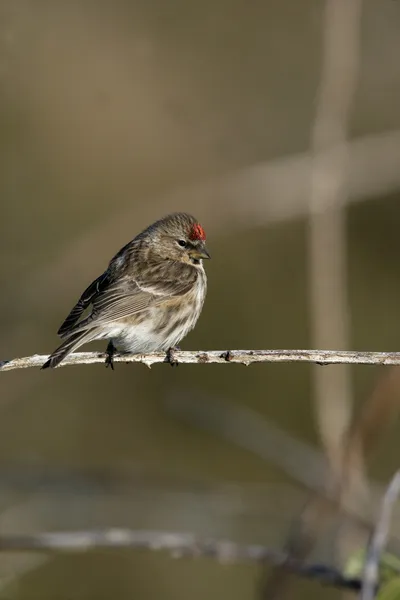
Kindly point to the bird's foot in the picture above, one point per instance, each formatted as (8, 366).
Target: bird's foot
(227, 356)
(171, 356)
(110, 351)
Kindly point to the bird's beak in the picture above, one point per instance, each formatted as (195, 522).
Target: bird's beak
(200, 252)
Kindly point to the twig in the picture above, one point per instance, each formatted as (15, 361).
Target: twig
(378, 540)
(180, 545)
(243, 357)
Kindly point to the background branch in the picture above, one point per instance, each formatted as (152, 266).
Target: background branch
(179, 544)
(243, 357)
(379, 539)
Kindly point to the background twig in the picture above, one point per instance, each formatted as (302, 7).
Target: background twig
(379, 539)
(179, 544)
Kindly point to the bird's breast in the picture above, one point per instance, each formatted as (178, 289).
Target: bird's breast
(161, 326)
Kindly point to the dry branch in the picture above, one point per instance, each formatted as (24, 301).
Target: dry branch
(243, 357)
(180, 545)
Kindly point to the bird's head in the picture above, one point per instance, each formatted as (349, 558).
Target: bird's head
(179, 237)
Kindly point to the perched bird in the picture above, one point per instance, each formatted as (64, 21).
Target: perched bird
(150, 296)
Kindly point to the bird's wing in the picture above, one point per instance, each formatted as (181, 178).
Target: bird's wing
(125, 298)
(87, 297)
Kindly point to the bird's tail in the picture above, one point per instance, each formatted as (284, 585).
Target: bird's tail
(71, 343)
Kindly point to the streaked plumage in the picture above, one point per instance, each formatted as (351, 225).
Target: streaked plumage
(150, 296)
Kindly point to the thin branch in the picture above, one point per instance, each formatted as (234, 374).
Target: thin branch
(243, 357)
(379, 539)
(180, 545)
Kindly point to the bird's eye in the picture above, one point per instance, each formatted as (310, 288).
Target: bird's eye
(182, 243)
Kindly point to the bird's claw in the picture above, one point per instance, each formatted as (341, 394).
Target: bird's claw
(109, 362)
(110, 351)
(171, 356)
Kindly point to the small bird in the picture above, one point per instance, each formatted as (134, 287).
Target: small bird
(150, 296)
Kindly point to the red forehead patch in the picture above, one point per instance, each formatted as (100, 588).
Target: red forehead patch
(197, 233)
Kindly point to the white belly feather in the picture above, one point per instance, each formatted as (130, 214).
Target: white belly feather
(145, 337)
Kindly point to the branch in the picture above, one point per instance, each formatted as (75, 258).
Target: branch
(379, 539)
(243, 357)
(180, 545)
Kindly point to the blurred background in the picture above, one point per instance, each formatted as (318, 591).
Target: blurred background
(277, 124)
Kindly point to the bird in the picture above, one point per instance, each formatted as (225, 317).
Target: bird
(149, 297)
